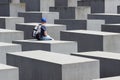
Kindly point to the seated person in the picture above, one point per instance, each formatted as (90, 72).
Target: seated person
(40, 32)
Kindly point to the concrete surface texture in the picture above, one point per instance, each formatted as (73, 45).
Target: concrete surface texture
(10, 22)
(11, 9)
(72, 24)
(10, 35)
(15, 1)
(5, 9)
(90, 24)
(94, 24)
(111, 28)
(97, 6)
(35, 16)
(8, 47)
(39, 5)
(65, 47)
(15, 8)
(8, 72)
(52, 29)
(53, 66)
(93, 40)
(113, 8)
(72, 12)
(109, 62)
(108, 17)
(101, 6)
(66, 3)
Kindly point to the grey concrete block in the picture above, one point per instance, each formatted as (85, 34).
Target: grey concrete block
(95, 24)
(36, 16)
(10, 35)
(65, 47)
(97, 6)
(66, 3)
(101, 6)
(118, 9)
(10, 22)
(4, 1)
(109, 62)
(93, 40)
(8, 72)
(16, 7)
(4, 8)
(52, 29)
(81, 24)
(72, 12)
(11, 9)
(108, 17)
(109, 78)
(113, 8)
(72, 24)
(111, 28)
(41, 65)
(39, 5)
(8, 47)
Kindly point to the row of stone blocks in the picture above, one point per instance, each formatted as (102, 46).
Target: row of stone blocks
(72, 12)
(71, 24)
(17, 23)
(35, 16)
(43, 5)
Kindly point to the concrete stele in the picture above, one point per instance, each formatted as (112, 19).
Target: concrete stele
(109, 62)
(65, 47)
(10, 22)
(8, 47)
(93, 40)
(53, 66)
(8, 72)
(10, 35)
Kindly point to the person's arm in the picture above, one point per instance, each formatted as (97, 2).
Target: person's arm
(45, 33)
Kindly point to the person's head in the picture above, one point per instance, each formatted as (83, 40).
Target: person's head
(43, 20)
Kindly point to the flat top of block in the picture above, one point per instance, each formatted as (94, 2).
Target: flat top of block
(110, 78)
(7, 44)
(52, 57)
(6, 30)
(10, 17)
(47, 42)
(105, 14)
(91, 32)
(112, 24)
(47, 25)
(101, 54)
(4, 67)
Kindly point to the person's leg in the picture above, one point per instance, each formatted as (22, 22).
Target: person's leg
(46, 38)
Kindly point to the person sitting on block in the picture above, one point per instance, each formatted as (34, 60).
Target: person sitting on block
(40, 31)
